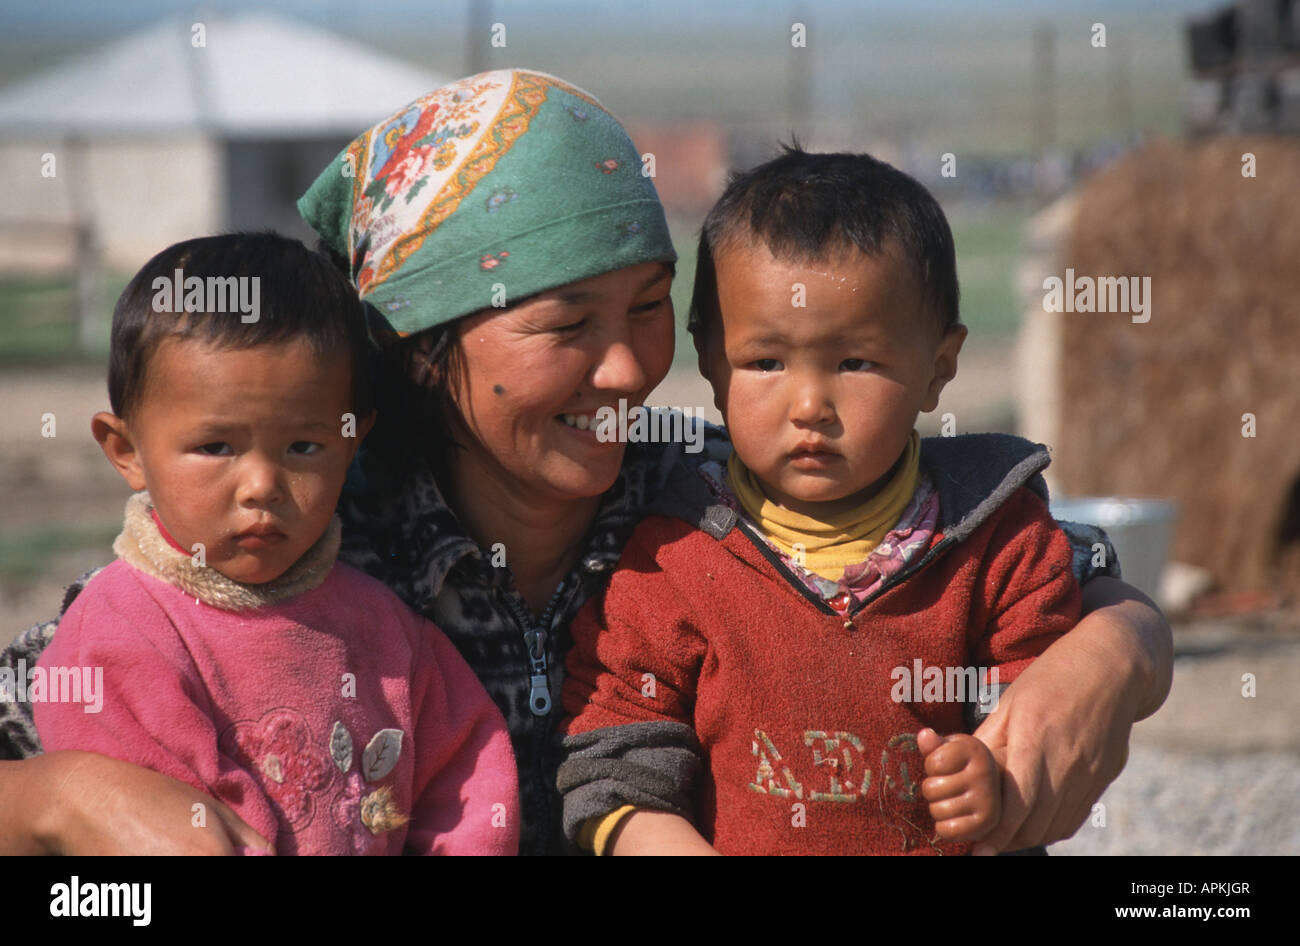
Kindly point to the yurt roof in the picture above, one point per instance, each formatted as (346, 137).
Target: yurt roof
(258, 75)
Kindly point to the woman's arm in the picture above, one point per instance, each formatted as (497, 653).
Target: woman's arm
(1135, 620)
(82, 803)
(1066, 720)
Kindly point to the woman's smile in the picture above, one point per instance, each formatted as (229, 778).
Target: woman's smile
(583, 429)
(596, 342)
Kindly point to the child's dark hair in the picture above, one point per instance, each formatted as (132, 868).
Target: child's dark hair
(413, 428)
(300, 296)
(806, 206)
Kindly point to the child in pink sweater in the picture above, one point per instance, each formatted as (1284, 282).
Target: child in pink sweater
(235, 652)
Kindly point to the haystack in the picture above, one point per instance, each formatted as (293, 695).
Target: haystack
(1156, 408)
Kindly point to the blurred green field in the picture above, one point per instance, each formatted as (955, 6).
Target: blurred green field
(27, 556)
(38, 320)
(988, 239)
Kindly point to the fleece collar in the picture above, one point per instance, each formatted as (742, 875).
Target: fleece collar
(142, 546)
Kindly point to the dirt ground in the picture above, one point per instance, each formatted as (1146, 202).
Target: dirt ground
(59, 484)
(1213, 772)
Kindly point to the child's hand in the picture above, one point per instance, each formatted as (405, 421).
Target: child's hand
(962, 785)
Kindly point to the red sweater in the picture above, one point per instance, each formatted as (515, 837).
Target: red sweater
(805, 747)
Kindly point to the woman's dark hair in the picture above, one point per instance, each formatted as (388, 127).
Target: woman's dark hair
(297, 295)
(806, 206)
(414, 422)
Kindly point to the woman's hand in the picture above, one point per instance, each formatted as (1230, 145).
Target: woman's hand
(1064, 724)
(83, 803)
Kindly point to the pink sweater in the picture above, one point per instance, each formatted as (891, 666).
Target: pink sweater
(324, 720)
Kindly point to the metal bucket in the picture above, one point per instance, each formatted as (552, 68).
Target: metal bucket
(1141, 530)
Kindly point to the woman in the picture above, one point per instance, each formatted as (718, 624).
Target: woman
(503, 228)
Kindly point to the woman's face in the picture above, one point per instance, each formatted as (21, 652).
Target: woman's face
(534, 375)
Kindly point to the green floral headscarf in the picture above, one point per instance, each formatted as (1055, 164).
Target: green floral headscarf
(483, 192)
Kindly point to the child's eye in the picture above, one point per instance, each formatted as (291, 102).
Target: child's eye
(305, 447)
(766, 364)
(215, 449)
(857, 364)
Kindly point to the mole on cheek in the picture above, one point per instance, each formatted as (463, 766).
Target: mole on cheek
(497, 389)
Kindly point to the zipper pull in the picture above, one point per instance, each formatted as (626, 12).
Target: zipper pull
(539, 693)
(539, 696)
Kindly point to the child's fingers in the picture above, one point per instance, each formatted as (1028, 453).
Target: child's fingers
(955, 806)
(966, 817)
(959, 752)
(966, 828)
(927, 740)
(952, 756)
(941, 787)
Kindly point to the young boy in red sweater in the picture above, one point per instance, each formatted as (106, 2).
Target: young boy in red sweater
(770, 667)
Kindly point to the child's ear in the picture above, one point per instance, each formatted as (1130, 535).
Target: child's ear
(702, 343)
(701, 361)
(945, 365)
(114, 438)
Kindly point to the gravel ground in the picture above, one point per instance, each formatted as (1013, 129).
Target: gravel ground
(1173, 802)
(1213, 771)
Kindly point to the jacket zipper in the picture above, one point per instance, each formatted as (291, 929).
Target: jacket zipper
(821, 605)
(772, 557)
(535, 632)
(905, 574)
(539, 695)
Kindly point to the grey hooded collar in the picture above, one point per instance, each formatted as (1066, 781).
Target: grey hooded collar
(973, 473)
